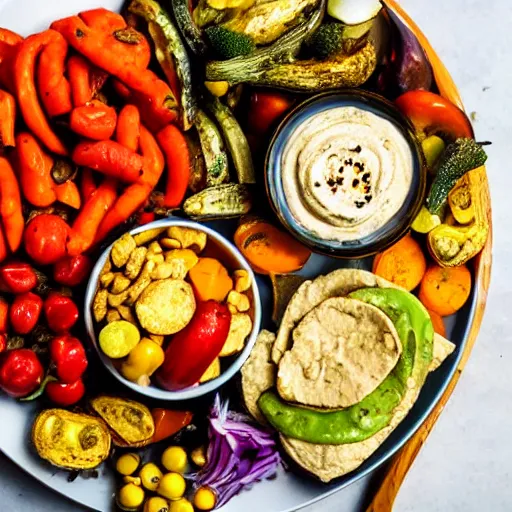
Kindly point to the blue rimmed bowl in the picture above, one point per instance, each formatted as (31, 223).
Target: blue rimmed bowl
(384, 236)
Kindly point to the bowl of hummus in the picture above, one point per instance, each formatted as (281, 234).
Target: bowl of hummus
(345, 173)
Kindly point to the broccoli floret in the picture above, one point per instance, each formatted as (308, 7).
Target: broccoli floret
(228, 44)
(327, 40)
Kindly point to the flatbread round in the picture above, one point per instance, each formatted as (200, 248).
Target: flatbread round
(342, 351)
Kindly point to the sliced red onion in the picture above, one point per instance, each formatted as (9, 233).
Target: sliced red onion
(239, 454)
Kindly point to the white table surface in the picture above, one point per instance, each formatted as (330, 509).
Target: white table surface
(467, 461)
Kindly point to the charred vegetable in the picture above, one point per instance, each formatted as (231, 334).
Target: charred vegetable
(130, 423)
(170, 52)
(459, 158)
(283, 50)
(69, 440)
(235, 140)
(213, 149)
(189, 30)
(228, 44)
(220, 202)
(309, 75)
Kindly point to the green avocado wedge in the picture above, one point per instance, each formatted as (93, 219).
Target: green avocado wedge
(361, 421)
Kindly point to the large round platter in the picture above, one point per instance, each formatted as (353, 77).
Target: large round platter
(289, 491)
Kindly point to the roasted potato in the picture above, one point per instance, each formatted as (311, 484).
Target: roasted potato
(122, 249)
(99, 305)
(239, 329)
(135, 262)
(147, 236)
(188, 238)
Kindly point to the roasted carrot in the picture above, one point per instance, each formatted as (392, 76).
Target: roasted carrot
(24, 71)
(136, 195)
(7, 119)
(445, 290)
(210, 280)
(68, 194)
(94, 120)
(437, 322)
(403, 264)
(79, 71)
(87, 184)
(268, 249)
(9, 42)
(121, 89)
(94, 210)
(175, 147)
(9, 37)
(34, 171)
(10, 206)
(111, 159)
(121, 59)
(103, 19)
(128, 127)
(54, 88)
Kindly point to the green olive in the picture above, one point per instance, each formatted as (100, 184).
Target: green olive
(127, 464)
(156, 504)
(130, 497)
(150, 476)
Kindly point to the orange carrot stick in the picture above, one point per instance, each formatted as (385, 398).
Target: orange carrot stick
(10, 206)
(94, 210)
(7, 119)
(403, 264)
(54, 88)
(175, 147)
(24, 71)
(34, 170)
(128, 127)
(87, 184)
(79, 71)
(437, 322)
(68, 194)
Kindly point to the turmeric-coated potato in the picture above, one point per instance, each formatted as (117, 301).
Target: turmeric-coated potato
(166, 306)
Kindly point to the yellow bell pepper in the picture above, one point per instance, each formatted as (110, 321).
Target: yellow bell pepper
(143, 361)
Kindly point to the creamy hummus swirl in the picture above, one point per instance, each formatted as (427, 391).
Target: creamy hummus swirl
(346, 172)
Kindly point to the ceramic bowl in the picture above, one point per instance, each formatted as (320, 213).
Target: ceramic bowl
(391, 231)
(230, 365)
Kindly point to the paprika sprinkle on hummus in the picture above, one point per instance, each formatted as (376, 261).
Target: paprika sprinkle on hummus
(346, 173)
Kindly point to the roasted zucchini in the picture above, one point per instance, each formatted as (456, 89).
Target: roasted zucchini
(130, 423)
(189, 30)
(69, 440)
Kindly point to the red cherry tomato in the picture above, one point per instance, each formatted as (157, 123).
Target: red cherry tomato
(21, 372)
(72, 270)
(64, 394)
(24, 312)
(45, 238)
(69, 357)
(266, 109)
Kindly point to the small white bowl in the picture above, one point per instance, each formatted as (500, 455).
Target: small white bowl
(198, 390)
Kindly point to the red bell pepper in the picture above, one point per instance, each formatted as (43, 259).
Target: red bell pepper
(61, 312)
(431, 114)
(192, 350)
(72, 270)
(25, 311)
(69, 358)
(17, 277)
(63, 394)
(168, 422)
(21, 372)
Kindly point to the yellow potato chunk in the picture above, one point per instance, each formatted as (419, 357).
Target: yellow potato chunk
(239, 329)
(165, 306)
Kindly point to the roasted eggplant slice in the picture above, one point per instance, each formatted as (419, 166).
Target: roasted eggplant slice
(130, 423)
(69, 440)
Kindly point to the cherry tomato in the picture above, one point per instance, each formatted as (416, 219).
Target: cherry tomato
(45, 238)
(72, 270)
(3, 343)
(21, 372)
(64, 394)
(24, 312)
(61, 312)
(69, 357)
(266, 109)
(4, 316)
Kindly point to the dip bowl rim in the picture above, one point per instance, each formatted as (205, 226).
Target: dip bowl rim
(395, 228)
(198, 390)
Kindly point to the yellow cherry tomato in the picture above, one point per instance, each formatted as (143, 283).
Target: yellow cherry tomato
(204, 499)
(130, 497)
(172, 486)
(127, 464)
(150, 476)
(181, 505)
(175, 459)
(156, 504)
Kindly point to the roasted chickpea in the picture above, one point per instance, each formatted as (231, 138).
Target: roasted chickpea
(127, 464)
(175, 459)
(172, 486)
(130, 497)
(204, 499)
(150, 476)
